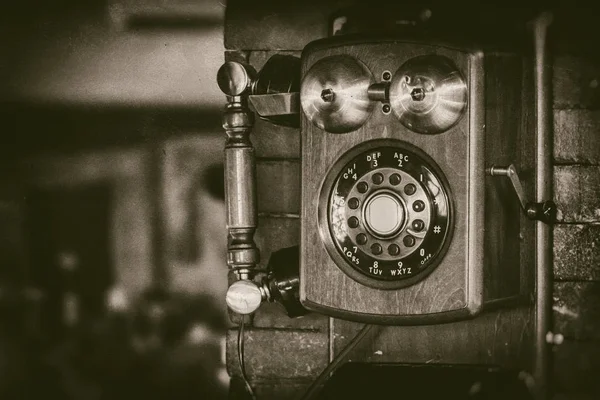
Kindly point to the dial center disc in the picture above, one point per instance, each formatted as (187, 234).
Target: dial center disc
(384, 214)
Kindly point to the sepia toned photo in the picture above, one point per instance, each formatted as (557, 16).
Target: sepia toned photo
(334, 199)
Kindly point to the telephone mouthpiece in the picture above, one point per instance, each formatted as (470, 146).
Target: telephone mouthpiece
(243, 297)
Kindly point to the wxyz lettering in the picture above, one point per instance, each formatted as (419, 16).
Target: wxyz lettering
(401, 271)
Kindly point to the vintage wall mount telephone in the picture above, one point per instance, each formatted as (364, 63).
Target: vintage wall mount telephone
(404, 219)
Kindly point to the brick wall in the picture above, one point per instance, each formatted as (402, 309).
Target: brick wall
(284, 355)
(577, 235)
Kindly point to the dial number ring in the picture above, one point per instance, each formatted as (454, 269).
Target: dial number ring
(414, 183)
(405, 200)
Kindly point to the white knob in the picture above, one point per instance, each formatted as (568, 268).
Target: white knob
(384, 214)
(243, 297)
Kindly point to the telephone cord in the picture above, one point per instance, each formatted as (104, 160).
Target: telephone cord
(240, 348)
(314, 387)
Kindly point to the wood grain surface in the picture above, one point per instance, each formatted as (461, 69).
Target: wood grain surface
(323, 283)
(501, 338)
(509, 140)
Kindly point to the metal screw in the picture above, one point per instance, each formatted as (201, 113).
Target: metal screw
(387, 75)
(386, 108)
(328, 95)
(417, 94)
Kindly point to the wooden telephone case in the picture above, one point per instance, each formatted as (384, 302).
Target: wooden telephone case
(486, 259)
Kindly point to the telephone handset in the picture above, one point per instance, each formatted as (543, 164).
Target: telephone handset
(400, 223)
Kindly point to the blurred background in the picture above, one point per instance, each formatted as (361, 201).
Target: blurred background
(112, 222)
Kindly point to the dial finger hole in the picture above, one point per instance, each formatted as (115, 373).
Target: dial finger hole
(418, 206)
(377, 178)
(395, 179)
(361, 239)
(418, 225)
(410, 189)
(393, 249)
(376, 249)
(362, 187)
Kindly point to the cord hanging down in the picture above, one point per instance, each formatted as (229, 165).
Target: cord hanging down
(240, 348)
(316, 385)
(318, 382)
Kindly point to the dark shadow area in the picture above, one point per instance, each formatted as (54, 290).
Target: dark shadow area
(426, 382)
(76, 322)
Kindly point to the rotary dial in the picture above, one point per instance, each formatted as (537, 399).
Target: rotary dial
(388, 213)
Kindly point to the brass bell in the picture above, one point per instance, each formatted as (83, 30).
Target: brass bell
(428, 94)
(334, 94)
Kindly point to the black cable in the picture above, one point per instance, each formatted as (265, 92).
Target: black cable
(314, 387)
(240, 348)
